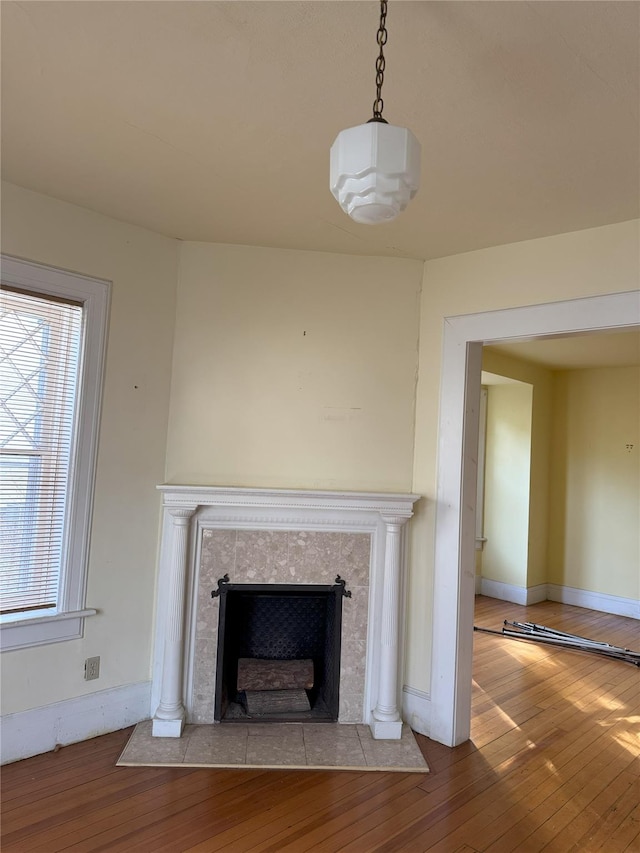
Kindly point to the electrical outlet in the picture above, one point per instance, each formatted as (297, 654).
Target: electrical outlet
(92, 668)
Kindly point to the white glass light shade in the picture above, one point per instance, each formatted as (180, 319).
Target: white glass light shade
(375, 171)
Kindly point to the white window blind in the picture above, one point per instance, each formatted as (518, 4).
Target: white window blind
(40, 346)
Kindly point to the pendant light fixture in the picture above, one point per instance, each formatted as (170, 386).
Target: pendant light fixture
(375, 167)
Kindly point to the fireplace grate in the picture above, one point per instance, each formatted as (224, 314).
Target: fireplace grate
(279, 622)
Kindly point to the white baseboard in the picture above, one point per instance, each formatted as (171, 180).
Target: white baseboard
(536, 594)
(478, 584)
(416, 709)
(28, 733)
(594, 600)
(516, 594)
(565, 594)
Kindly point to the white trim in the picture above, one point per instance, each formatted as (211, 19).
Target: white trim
(503, 591)
(600, 601)
(291, 500)
(536, 594)
(416, 709)
(42, 630)
(454, 572)
(32, 732)
(509, 592)
(94, 294)
(594, 600)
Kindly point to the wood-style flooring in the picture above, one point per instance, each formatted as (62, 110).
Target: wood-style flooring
(553, 764)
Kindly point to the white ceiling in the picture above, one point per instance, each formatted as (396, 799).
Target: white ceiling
(213, 120)
(573, 352)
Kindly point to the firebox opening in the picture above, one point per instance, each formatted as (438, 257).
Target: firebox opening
(263, 625)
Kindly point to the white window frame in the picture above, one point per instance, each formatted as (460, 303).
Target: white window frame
(67, 621)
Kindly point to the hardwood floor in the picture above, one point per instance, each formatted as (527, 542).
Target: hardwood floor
(553, 764)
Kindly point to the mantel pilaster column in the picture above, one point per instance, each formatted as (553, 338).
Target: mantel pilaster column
(387, 722)
(169, 718)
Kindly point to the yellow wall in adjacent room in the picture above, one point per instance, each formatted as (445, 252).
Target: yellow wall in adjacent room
(124, 535)
(294, 369)
(595, 481)
(541, 381)
(507, 483)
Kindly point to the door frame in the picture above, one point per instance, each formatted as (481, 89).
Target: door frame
(454, 570)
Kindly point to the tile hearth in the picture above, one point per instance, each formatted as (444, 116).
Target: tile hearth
(275, 745)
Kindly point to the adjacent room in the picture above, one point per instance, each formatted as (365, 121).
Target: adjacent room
(555, 461)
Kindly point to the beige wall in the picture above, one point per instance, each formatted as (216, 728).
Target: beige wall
(330, 409)
(143, 269)
(507, 483)
(566, 266)
(595, 488)
(294, 369)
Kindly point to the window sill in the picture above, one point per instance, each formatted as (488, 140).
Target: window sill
(21, 633)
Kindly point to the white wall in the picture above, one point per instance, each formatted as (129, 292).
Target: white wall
(143, 269)
(294, 369)
(595, 495)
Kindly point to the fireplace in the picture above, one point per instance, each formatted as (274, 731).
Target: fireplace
(278, 652)
(274, 538)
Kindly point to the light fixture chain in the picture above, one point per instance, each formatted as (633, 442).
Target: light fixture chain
(375, 167)
(378, 104)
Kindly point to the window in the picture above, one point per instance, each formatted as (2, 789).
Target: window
(52, 338)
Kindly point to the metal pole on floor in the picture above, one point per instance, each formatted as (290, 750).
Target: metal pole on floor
(567, 642)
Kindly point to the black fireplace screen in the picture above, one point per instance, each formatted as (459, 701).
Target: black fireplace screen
(271, 623)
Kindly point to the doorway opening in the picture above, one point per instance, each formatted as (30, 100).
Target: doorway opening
(454, 591)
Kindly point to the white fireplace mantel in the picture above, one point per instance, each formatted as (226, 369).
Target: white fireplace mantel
(188, 510)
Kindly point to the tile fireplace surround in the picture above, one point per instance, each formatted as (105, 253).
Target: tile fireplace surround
(278, 536)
